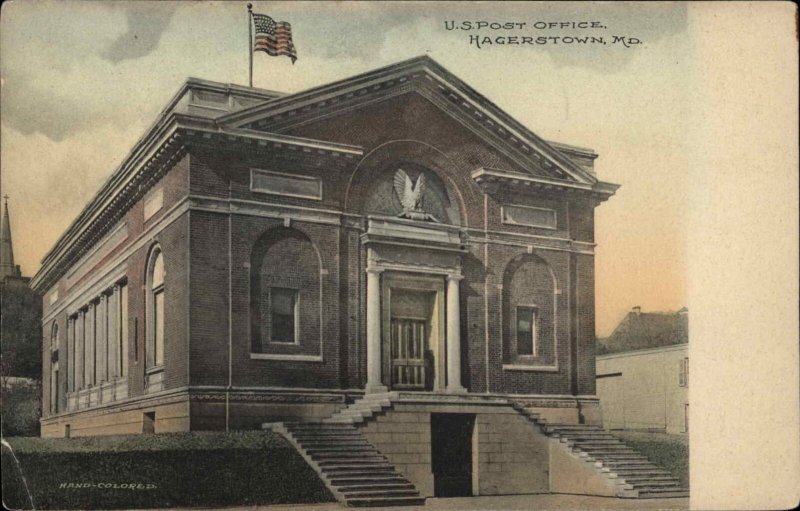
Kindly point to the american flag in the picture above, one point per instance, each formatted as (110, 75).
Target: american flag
(274, 38)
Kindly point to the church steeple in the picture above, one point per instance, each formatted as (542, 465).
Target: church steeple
(7, 266)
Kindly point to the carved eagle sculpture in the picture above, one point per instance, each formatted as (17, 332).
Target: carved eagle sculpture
(411, 196)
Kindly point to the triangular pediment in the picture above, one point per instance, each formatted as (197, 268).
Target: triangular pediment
(424, 76)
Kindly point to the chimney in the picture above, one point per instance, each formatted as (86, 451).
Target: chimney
(636, 310)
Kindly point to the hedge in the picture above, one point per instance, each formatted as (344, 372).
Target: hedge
(172, 470)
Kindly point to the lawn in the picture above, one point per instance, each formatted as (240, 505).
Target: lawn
(671, 452)
(149, 471)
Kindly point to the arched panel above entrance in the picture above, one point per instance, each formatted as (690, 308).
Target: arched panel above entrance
(377, 185)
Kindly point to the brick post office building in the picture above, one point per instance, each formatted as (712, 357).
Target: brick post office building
(389, 251)
(261, 256)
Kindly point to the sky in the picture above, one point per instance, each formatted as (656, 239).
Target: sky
(82, 81)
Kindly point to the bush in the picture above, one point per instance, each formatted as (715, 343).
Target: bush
(176, 470)
(22, 407)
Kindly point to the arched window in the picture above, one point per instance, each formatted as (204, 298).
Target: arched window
(285, 300)
(54, 368)
(529, 311)
(155, 309)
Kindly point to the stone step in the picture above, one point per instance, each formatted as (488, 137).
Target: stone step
(376, 487)
(618, 456)
(348, 451)
(344, 457)
(650, 483)
(628, 465)
(332, 440)
(671, 493)
(379, 493)
(605, 453)
(633, 479)
(576, 427)
(349, 421)
(631, 472)
(388, 477)
(600, 453)
(612, 460)
(310, 426)
(596, 442)
(331, 436)
(335, 445)
(321, 428)
(386, 501)
(353, 462)
(333, 471)
(594, 434)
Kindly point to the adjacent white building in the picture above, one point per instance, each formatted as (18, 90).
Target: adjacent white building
(643, 373)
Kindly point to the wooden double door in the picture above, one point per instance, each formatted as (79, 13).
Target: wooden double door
(411, 357)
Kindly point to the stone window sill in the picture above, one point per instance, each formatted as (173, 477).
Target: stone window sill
(291, 358)
(532, 368)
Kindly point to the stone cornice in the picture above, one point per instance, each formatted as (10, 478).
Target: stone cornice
(421, 74)
(150, 159)
(490, 180)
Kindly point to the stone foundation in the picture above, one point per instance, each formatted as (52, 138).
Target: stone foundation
(174, 411)
(509, 455)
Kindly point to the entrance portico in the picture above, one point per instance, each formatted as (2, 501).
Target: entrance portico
(413, 305)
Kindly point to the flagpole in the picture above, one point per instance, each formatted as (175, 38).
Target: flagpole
(250, 39)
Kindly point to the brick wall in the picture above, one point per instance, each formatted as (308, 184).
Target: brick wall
(173, 238)
(586, 324)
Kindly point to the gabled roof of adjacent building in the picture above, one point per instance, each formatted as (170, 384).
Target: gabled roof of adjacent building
(205, 112)
(644, 330)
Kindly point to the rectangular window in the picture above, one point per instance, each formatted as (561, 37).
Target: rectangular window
(530, 216)
(123, 330)
(290, 185)
(283, 314)
(104, 340)
(79, 328)
(158, 335)
(87, 346)
(95, 323)
(71, 354)
(526, 330)
(683, 372)
(54, 391)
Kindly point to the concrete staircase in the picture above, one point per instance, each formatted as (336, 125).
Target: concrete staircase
(359, 475)
(636, 476)
(363, 409)
(352, 468)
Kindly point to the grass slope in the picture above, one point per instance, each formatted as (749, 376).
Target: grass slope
(149, 471)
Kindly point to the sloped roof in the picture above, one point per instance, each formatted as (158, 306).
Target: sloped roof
(643, 330)
(427, 77)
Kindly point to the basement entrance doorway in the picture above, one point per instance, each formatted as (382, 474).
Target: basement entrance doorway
(451, 454)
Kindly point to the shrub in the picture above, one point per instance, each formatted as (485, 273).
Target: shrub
(186, 469)
(22, 407)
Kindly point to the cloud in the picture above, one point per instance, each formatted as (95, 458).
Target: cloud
(146, 22)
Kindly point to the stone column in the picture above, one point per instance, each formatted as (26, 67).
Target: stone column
(70, 352)
(453, 336)
(101, 331)
(80, 350)
(113, 333)
(374, 362)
